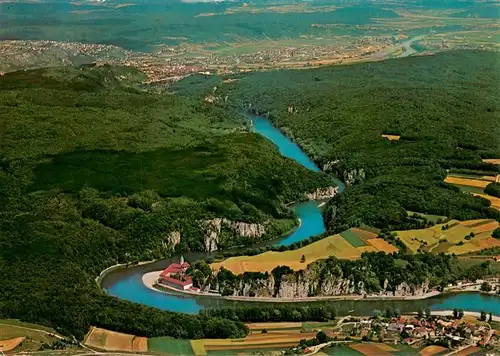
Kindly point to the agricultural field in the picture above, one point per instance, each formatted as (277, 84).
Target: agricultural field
(373, 349)
(391, 137)
(349, 244)
(103, 339)
(253, 342)
(459, 237)
(492, 160)
(172, 346)
(19, 336)
(475, 184)
(432, 350)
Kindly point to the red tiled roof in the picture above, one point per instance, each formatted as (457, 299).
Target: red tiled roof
(185, 282)
(175, 268)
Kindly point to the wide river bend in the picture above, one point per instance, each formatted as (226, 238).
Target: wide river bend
(126, 283)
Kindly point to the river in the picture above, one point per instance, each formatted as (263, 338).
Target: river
(127, 283)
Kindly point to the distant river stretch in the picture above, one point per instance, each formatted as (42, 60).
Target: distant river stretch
(127, 283)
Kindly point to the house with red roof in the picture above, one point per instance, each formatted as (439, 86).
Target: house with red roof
(175, 276)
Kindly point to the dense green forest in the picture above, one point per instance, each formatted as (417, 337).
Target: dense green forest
(445, 107)
(96, 171)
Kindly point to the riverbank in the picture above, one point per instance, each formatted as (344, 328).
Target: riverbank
(150, 281)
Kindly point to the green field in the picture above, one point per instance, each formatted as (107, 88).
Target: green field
(353, 239)
(169, 345)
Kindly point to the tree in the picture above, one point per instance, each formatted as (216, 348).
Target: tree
(460, 313)
(483, 316)
(376, 313)
(420, 313)
(485, 287)
(427, 312)
(490, 318)
(455, 313)
(303, 259)
(321, 337)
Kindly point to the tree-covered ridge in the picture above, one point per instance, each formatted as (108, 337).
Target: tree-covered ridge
(373, 273)
(95, 170)
(445, 107)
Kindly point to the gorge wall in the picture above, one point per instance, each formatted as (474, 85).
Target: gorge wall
(310, 283)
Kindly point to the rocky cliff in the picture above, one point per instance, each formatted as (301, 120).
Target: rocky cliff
(240, 229)
(308, 283)
(323, 193)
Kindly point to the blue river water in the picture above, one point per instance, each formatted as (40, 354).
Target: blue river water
(127, 283)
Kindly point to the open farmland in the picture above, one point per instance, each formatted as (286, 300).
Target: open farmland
(113, 341)
(373, 349)
(24, 336)
(467, 181)
(10, 344)
(492, 160)
(350, 244)
(432, 350)
(475, 185)
(254, 341)
(495, 202)
(451, 237)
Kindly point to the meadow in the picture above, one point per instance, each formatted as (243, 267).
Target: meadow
(349, 245)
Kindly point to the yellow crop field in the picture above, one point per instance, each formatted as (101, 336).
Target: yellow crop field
(391, 137)
(335, 245)
(270, 326)
(198, 347)
(492, 160)
(382, 245)
(114, 341)
(438, 237)
(467, 181)
(495, 202)
(489, 178)
(10, 344)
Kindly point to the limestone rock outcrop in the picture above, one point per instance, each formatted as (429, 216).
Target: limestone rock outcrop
(241, 229)
(323, 193)
(354, 175)
(173, 238)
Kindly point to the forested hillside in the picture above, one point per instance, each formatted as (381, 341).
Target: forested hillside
(444, 107)
(96, 171)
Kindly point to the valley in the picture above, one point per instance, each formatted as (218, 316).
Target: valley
(309, 177)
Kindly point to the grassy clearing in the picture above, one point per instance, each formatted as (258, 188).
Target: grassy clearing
(438, 238)
(392, 137)
(172, 346)
(430, 217)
